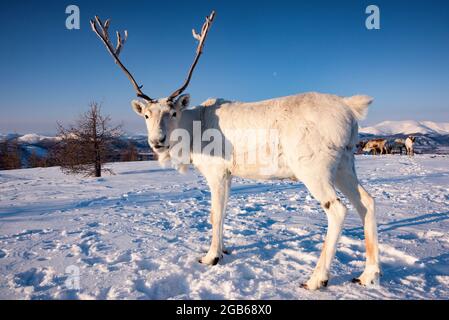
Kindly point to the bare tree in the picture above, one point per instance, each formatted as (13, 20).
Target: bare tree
(86, 146)
(10, 155)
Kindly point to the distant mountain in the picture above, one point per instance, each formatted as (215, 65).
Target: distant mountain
(432, 137)
(33, 138)
(388, 128)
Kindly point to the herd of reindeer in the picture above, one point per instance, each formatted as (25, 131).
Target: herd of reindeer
(384, 146)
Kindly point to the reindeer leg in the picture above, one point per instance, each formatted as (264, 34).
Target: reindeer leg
(348, 184)
(228, 191)
(325, 193)
(219, 192)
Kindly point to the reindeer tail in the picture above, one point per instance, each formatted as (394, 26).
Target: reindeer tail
(358, 105)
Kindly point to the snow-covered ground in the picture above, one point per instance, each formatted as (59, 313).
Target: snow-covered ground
(138, 234)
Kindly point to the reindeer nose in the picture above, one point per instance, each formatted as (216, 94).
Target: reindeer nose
(159, 141)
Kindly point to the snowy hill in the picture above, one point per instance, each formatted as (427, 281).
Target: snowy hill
(388, 128)
(433, 138)
(33, 138)
(138, 234)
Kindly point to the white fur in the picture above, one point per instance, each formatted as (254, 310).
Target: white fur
(317, 135)
(409, 146)
(359, 105)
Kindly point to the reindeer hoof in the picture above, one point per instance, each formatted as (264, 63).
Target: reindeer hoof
(323, 284)
(212, 262)
(368, 278)
(225, 251)
(359, 282)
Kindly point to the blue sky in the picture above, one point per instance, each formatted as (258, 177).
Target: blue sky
(255, 50)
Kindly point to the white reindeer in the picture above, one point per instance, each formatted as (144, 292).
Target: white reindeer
(409, 145)
(316, 137)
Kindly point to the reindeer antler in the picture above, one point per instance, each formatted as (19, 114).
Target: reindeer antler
(104, 36)
(199, 50)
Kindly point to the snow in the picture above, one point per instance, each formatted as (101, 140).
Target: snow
(387, 128)
(138, 234)
(33, 138)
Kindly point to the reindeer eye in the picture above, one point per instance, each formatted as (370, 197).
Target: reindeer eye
(146, 116)
(173, 114)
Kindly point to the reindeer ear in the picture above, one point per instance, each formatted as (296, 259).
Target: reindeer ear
(182, 102)
(138, 107)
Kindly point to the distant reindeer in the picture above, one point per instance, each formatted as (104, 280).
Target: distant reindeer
(376, 144)
(359, 146)
(399, 144)
(317, 134)
(405, 143)
(409, 142)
